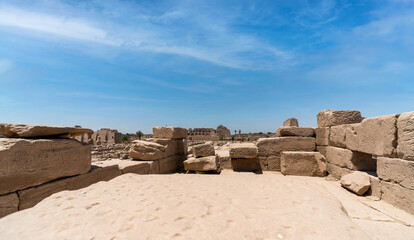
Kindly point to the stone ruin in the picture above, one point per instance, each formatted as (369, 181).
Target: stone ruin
(104, 136)
(209, 134)
(370, 156)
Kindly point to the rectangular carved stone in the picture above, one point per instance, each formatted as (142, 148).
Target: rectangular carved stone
(273, 163)
(274, 146)
(295, 131)
(337, 172)
(263, 163)
(329, 118)
(203, 150)
(170, 132)
(182, 146)
(398, 196)
(31, 196)
(322, 136)
(127, 166)
(9, 203)
(405, 125)
(171, 145)
(322, 150)
(337, 137)
(246, 164)
(303, 164)
(375, 189)
(376, 136)
(350, 159)
(30, 162)
(170, 164)
(397, 171)
(224, 159)
(243, 150)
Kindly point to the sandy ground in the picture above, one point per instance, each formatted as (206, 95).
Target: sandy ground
(226, 206)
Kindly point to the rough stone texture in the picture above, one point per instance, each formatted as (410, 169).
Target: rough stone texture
(328, 118)
(295, 131)
(145, 150)
(106, 136)
(31, 196)
(203, 150)
(263, 163)
(170, 164)
(28, 162)
(171, 145)
(201, 164)
(273, 163)
(182, 146)
(243, 150)
(291, 122)
(397, 171)
(127, 166)
(376, 136)
(9, 203)
(350, 159)
(405, 125)
(398, 196)
(170, 132)
(336, 172)
(303, 164)
(322, 150)
(357, 182)
(189, 207)
(246, 165)
(224, 159)
(14, 130)
(375, 190)
(274, 146)
(337, 137)
(322, 136)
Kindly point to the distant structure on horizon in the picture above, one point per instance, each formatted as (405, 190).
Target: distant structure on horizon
(210, 134)
(104, 136)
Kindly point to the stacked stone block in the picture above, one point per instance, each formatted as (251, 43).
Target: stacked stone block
(244, 157)
(203, 159)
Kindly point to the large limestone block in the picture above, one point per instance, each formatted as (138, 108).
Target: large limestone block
(171, 145)
(145, 150)
(337, 136)
(328, 118)
(243, 150)
(9, 203)
(303, 164)
(203, 150)
(398, 196)
(127, 166)
(104, 172)
(291, 122)
(170, 164)
(273, 163)
(169, 132)
(246, 165)
(322, 136)
(335, 171)
(376, 136)
(397, 171)
(350, 159)
(405, 125)
(201, 164)
(14, 130)
(29, 162)
(274, 146)
(295, 131)
(357, 182)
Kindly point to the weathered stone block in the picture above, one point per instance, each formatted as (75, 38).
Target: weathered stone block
(376, 136)
(28, 162)
(182, 146)
(169, 132)
(322, 136)
(328, 118)
(273, 163)
(337, 136)
(243, 150)
(171, 145)
(274, 146)
(405, 125)
(146, 150)
(14, 130)
(375, 190)
(246, 165)
(295, 131)
(397, 171)
(169, 164)
(127, 166)
(291, 122)
(322, 150)
(398, 196)
(9, 203)
(303, 164)
(263, 163)
(203, 150)
(350, 159)
(224, 159)
(336, 172)
(201, 164)
(357, 182)
(31, 196)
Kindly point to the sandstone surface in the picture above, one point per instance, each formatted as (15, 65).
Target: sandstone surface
(274, 146)
(396, 170)
(357, 182)
(243, 150)
(405, 125)
(337, 137)
(203, 150)
(295, 131)
(14, 130)
(246, 165)
(328, 118)
(145, 150)
(9, 203)
(303, 164)
(322, 136)
(201, 164)
(291, 122)
(170, 132)
(398, 196)
(350, 159)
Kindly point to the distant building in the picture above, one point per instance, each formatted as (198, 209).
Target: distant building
(104, 136)
(209, 134)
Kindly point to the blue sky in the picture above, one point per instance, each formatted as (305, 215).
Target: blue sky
(249, 65)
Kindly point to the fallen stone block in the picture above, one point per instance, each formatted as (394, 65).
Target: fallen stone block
(273, 163)
(357, 182)
(246, 165)
(31, 196)
(274, 146)
(30, 162)
(350, 159)
(322, 136)
(291, 122)
(397, 171)
(201, 164)
(337, 136)
(295, 131)
(145, 150)
(303, 164)
(243, 150)
(398, 196)
(9, 204)
(203, 150)
(170, 132)
(329, 118)
(376, 136)
(13, 130)
(405, 125)
(336, 172)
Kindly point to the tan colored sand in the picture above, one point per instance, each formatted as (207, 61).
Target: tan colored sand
(229, 206)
